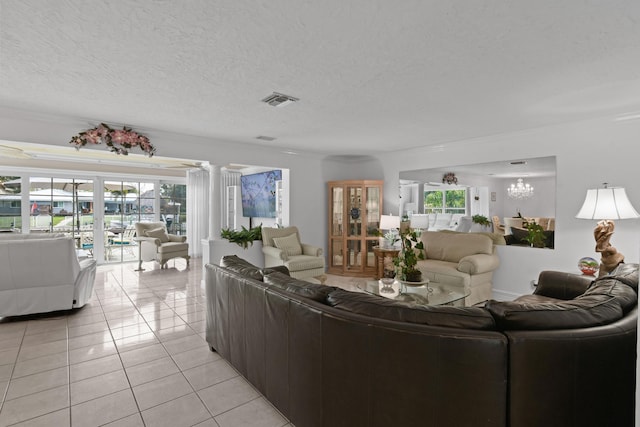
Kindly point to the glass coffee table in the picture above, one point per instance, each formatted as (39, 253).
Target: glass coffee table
(420, 293)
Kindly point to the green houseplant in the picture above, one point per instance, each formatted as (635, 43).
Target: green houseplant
(407, 260)
(242, 237)
(481, 220)
(535, 235)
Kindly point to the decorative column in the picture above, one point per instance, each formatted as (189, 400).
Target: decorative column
(215, 202)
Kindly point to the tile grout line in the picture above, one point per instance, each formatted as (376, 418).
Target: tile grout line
(120, 357)
(13, 369)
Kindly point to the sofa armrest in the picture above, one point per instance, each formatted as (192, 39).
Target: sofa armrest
(83, 286)
(273, 252)
(176, 238)
(478, 263)
(152, 240)
(562, 285)
(311, 250)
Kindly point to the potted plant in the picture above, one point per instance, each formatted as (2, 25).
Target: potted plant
(407, 260)
(242, 237)
(481, 220)
(535, 235)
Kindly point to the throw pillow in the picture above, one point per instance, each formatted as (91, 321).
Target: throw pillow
(289, 244)
(158, 233)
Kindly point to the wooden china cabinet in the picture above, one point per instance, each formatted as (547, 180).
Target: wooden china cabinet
(354, 218)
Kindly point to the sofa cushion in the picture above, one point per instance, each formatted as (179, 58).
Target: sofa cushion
(171, 247)
(496, 238)
(625, 273)
(309, 290)
(624, 295)
(289, 244)
(443, 221)
(383, 308)
(452, 247)
(241, 266)
(158, 233)
(582, 312)
(304, 262)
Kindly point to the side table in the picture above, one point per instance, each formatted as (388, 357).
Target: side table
(381, 254)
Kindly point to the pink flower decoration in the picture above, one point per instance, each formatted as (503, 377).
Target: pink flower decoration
(118, 141)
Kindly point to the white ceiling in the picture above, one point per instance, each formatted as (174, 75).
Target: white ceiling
(371, 75)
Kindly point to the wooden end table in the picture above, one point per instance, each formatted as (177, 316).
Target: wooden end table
(381, 254)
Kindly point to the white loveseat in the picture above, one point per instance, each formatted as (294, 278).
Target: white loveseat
(42, 273)
(466, 260)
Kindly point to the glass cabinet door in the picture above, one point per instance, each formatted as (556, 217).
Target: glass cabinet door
(354, 219)
(355, 211)
(337, 213)
(373, 211)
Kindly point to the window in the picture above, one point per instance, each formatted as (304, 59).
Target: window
(10, 203)
(445, 201)
(173, 205)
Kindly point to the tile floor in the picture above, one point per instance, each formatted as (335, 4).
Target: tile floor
(134, 356)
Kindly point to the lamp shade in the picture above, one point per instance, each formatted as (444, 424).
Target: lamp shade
(607, 203)
(389, 222)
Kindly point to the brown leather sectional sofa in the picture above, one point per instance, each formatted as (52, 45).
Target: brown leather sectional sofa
(564, 356)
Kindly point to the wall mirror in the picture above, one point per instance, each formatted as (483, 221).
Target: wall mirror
(512, 194)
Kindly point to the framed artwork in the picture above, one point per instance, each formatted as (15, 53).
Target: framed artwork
(493, 196)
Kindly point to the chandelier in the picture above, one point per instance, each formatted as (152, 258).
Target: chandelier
(520, 190)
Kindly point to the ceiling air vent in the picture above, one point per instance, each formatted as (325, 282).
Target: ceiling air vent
(265, 138)
(279, 100)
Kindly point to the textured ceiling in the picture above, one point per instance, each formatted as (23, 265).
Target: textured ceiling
(371, 75)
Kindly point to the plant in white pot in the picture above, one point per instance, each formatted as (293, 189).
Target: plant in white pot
(480, 223)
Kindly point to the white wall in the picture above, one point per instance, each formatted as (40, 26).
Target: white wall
(539, 205)
(588, 154)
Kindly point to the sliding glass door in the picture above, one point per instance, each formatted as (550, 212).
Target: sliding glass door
(125, 203)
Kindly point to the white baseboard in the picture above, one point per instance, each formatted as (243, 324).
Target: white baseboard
(504, 295)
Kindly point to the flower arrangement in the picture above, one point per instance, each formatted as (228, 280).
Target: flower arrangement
(118, 141)
(407, 259)
(391, 237)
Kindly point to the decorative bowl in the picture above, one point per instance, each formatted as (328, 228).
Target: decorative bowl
(588, 266)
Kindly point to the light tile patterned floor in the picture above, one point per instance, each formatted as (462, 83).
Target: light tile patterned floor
(134, 356)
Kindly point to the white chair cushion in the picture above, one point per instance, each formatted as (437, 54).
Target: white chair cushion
(158, 233)
(289, 244)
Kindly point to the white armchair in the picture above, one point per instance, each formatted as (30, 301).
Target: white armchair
(156, 245)
(281, 246)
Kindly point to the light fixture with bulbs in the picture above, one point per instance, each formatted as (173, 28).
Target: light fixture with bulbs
(520, 190)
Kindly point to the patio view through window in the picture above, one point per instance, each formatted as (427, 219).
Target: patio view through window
(445, 201)
(68, 206)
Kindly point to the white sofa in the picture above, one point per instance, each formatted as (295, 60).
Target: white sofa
(41, 273)
(437, 221)
(466, 260)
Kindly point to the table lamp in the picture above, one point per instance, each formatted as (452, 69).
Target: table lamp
(389, 222)
(606, 204)
(392, 224)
